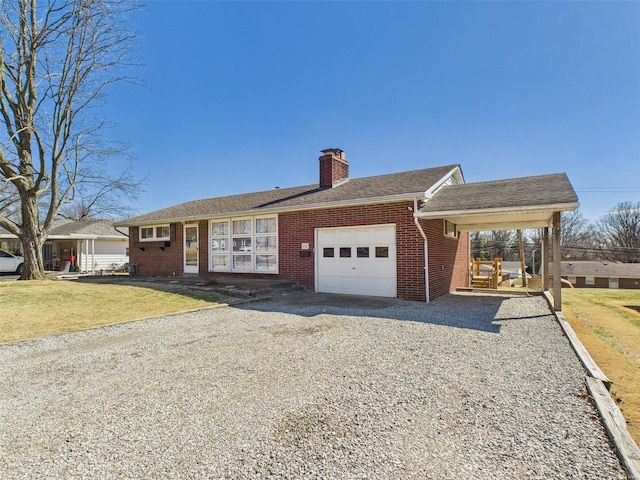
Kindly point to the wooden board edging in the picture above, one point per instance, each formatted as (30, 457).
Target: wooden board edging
(598, 386)
(589, 364)
(627, 450)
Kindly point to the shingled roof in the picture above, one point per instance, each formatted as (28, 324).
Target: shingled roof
(384, 188)
(85, 228)
(541, 190)
(601, 269)
(65, 228)
(516, 203)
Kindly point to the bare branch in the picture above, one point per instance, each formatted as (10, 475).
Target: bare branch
(57, 60)
(620, 233)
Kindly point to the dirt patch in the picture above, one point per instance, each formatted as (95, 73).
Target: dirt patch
(303, 330)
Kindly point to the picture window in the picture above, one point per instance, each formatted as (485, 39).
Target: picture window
(266, 225)
(242, 227)
(241, 262)
(241, 244)
(248, 244)
(266, 263)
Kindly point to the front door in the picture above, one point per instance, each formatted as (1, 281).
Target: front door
(191, 249)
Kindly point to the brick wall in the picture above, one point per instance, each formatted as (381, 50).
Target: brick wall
(153, 261)
(629, 283)
(332, 170)
(603, 282)
(448, 259)
(295, 228)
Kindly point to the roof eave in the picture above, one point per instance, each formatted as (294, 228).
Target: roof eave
(509, 218)
(262, 211)
(556, 207)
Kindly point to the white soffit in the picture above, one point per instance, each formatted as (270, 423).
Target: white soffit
(506, 219)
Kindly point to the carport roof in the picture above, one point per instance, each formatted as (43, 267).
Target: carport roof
(516, 203)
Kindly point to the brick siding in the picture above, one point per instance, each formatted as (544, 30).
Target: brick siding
(155, 262)
(333, 169)
(603, 282)
(448, 257)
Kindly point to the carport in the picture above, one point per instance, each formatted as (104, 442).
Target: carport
(512, 204)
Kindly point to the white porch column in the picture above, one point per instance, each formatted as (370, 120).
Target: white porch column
(82, 256)
(557, 280)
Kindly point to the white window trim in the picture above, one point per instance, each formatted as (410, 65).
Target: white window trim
(230, 253)
(449, 234)
(155, 231)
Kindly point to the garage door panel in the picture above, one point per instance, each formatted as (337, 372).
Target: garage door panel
(364, 275)
(357, 285)
(385, 235)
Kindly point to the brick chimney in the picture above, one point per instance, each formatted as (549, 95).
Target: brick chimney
(334, 168)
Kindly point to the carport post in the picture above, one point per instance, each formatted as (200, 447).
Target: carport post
(557, 271)
(545, 259)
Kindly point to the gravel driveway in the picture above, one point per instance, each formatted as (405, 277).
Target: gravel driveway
(465, 387)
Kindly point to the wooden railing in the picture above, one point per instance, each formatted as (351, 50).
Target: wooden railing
(486, 273)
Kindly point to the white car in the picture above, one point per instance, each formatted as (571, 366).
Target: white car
(11, 263)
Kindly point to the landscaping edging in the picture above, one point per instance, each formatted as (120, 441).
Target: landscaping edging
(598, 386)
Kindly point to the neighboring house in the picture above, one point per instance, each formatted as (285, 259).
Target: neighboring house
(82, 246)
(370, 236)
(599, 274)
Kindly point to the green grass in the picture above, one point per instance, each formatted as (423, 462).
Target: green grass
(37, 308)
(610, 330)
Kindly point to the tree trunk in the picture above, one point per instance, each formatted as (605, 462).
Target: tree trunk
(521, 253)
(31, 239)
(33, 265)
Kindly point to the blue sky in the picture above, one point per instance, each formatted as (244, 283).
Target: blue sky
(243, 95)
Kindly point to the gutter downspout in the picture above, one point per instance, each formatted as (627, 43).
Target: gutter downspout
(426, 250)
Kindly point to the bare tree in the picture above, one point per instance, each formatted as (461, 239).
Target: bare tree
(479, 246)
(577, 237)
(57, 58)
(620, 233)
(9, 200)
(502, 244)
(99, 196)
(494, 244)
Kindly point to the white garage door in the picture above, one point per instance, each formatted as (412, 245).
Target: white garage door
(357, 260)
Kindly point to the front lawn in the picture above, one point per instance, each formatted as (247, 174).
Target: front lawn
(37, 308)
(608, 324)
